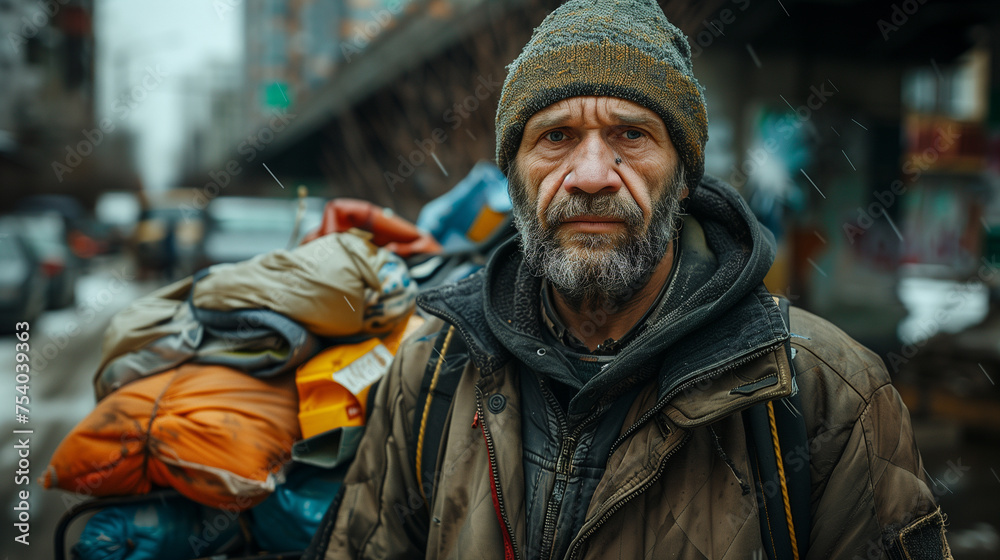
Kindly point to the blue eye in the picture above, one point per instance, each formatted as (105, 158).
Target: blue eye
(633, 134)
(556, 136)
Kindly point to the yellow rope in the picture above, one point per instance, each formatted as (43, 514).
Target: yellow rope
(427, 409)
(784, 484)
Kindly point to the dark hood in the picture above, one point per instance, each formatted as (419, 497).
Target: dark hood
(716, 309)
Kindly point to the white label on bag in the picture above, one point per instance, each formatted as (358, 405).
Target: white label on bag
(366, 370)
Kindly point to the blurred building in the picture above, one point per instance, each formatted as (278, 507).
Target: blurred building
(47, 98)
(360, 81)
(292, 48)
(47, 58)
(214, 114)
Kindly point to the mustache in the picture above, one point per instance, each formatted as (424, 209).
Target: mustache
(610, 206)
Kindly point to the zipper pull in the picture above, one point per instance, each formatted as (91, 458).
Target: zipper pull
(475, 421)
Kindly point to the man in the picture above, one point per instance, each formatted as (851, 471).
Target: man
(610, 351)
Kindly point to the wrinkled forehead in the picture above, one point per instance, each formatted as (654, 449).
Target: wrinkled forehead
(594, 110)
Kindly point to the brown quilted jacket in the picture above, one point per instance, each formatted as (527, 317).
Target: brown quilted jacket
(666, 491)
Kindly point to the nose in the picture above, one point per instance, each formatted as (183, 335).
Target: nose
(592, 167)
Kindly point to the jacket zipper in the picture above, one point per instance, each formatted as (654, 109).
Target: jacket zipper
(673, 392)
(621, 503)
(564, 467)
(510, 552)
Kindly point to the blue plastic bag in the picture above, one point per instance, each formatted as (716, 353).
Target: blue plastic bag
(450, 216)
(173, 528)
(287, 520)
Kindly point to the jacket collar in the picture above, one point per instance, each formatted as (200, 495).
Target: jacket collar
(761, 376)
(716, 313)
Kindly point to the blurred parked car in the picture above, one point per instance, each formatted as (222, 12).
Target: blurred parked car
(118, 214)
(242, 227)
(168, 240)
(85, 237)
(23, 285)
(46, 233)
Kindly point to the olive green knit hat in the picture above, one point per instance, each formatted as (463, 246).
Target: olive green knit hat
(617, 48)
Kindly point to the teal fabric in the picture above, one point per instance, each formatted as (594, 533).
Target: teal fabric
(287, 520)
(170, 529)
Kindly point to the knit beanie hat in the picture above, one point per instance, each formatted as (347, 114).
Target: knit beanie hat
(617, 48)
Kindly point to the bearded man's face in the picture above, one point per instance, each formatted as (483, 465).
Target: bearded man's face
(596, 188)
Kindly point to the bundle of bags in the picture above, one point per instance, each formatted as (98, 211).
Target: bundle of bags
(197, 392)
(245, 387)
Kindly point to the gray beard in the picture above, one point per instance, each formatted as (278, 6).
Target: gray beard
(597, 271)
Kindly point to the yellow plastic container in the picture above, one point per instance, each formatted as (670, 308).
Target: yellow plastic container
(485, 224)
(333, 386)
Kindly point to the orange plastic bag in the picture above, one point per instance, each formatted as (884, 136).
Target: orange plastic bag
(388, 230)
(218, 436)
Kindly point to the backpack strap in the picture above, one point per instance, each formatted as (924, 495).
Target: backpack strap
(321, 538)
(775, 433)
(795, 443)
(430, 417)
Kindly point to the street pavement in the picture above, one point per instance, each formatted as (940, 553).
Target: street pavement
(64, 347)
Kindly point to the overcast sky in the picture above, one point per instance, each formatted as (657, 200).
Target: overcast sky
(182, 37)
